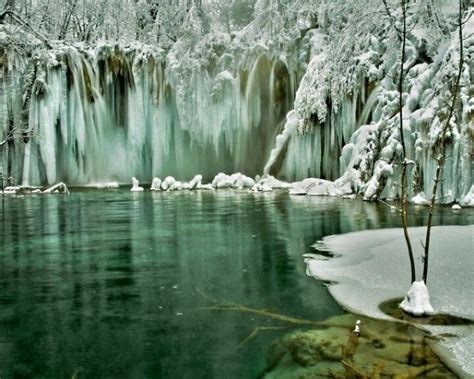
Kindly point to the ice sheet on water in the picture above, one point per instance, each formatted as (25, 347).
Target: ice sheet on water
(371, 267)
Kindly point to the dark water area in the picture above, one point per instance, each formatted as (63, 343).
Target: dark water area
(110, 284)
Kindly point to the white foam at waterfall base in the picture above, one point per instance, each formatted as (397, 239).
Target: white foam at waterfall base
(371, 267)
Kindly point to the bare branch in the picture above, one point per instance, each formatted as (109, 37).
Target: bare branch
(392, 19)
(259, 329)
(28, 27)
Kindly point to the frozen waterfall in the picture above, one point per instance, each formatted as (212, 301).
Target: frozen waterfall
(112, 114)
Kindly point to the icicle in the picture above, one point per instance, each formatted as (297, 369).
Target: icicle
(282, 139)
(26, 165)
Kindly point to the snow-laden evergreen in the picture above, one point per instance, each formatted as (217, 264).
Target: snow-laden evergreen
(348, 99)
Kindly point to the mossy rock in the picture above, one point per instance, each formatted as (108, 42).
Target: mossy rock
(309, 348)
(383, 349)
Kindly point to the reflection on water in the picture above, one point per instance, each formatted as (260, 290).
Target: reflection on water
(105, 283)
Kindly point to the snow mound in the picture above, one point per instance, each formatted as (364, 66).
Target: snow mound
(10, 190)
(242, 181)
(196, 182)
(108, 185)
(171, 184)
(417, 300)
(274, 183)
(420, 199)
(314, 187)
(207, 186)
(167, 183)
(236, 180)
(258, 187)
(176, 186)
(135, 186)
(156, 184)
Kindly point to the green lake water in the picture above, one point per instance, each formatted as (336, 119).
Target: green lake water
(109, 284)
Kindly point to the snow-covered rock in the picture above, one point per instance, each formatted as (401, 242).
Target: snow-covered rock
(298, 188)
(207, 186)
(195, 182)
(176, 186)
(274, 183)
(11, 190)
(135, 186)
(167, 183)
(323, 188)
(258, 187)
(420, 199)
(156, 184)
(236, 180)
(57, 188)
(222, 180)
(241, 181)
(108, 185)
(314, 187)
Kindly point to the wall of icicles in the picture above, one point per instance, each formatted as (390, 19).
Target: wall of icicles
(113, 114)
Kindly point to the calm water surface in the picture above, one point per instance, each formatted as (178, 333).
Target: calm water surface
(108, 284)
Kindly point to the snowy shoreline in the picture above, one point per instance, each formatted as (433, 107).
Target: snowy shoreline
(265, 183)
(371, 267)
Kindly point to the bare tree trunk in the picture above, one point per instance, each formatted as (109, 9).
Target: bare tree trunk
(9, 4)
(24, 24)
(67, 20)
(405, 161)
(441, 156)
(44, 15)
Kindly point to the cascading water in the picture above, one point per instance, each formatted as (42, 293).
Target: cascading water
(114, 114)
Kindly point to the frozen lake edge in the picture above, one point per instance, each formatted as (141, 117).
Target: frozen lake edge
(371, 267)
